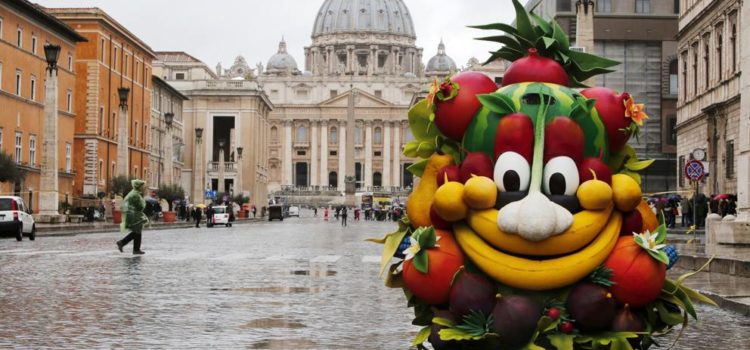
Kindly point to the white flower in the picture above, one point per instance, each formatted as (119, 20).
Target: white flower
(648, 241)
(413, 249)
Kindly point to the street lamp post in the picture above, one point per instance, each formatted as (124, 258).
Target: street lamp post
(239, 170)
(198, 171)
(222, 164)
(167, 154)
(49, 185)
(122, 137)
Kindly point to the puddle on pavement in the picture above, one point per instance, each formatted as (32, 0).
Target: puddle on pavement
(314, 273)
(287, 290)
(273, 322)
(285, 344)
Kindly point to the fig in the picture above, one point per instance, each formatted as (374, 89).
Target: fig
(591, 306)
(515, 320)
(535, 68)
(453, 116)
(627, 321)
(632, 222)
(434, 338)
(471, 291)
(450, 172)
(477, 164)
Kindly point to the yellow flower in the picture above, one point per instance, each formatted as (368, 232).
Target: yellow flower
(434, 88)
(635, 111)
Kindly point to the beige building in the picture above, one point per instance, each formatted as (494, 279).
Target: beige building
(225, 129)
(167, 130)
(360, 76)
(708, 109)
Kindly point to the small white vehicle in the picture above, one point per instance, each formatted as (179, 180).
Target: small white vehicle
(16, 218)
(294, 211)
(221, 216)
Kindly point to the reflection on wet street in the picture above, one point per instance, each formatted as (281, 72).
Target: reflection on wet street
(297, 284)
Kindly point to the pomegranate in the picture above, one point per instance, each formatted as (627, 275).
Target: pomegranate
(535, 68)
(638, 277)
(611, 109)
(453, 116)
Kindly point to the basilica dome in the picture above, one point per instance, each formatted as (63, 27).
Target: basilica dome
(440, 64)
(364, 16)
(282, 61)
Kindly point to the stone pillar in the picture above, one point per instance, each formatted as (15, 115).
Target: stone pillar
(287, 165)
(314, 172)
(48, 186)
(368, 154)
(323, 153)
(168, 158)
(351, 60)
(122, 143)
(198, 171)
(342, 155)
(585, 25)
(397, 127)
(308, 65)
(387, 154)
(743, 160)
(373, 60)
(333, 60)
(220, 187)
(420, 70)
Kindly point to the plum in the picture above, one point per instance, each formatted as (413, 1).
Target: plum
(471, 291)
(515, 320)
(591, 306)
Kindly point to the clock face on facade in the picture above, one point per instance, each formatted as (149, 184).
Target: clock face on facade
(699, 154)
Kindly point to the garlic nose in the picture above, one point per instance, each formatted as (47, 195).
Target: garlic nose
(535, 218)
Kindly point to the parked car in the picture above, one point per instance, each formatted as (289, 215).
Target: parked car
(16, 218)
(275, 212)
(221, 216)
(294, 211)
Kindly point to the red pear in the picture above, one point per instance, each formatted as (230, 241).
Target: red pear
(453, 116)
(477, 164)
(602, 170)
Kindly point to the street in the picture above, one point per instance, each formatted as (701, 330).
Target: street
(297, 284)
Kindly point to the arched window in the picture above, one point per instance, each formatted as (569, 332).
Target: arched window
(274, 133)
(333, 179)
(377, 179)
(302, 134)
(378, 136)
(334, 136)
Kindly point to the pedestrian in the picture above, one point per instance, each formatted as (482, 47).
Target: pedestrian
(325, 214)
(343, 216)
(210, 215)
(197, 216)
(687, 212)
(132, 208)
(336, 215)
(315, 212)
(255, 210)
(356, 214)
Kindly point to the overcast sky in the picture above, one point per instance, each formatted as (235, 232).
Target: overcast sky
(219, 30)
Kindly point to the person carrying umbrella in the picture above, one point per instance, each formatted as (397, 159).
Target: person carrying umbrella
(134, 218)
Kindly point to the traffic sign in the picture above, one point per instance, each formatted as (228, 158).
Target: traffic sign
(694, 170)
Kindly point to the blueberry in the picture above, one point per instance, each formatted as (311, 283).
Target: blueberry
(672, 254)
(401, 247)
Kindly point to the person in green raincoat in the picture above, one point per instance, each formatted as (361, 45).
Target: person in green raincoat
(133, 217)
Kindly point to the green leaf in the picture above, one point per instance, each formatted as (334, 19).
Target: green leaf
(443, 322)
(391, 242)
(523, 24)
(498, 103)
(497, 26)
(422, 312)
(426, 237)
(668, 317)
(608, 340)
(421, 337)
(418, 168)
(561, 341)
(532, 346)
(587, 61)
(549, 42)
(636, 165)
(448, 334)
(507, 41)
(660, 256)
(695, 295)
(661, 234)
(561, 37)
(419, 122)
(544, 25)
(689, 274)
(421, 261)
(634, 175)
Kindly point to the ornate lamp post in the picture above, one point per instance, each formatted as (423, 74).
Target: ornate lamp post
(168, 154)
(221, 186)
(198, 171)
(239, 171)
(122, 139)
(48, 200)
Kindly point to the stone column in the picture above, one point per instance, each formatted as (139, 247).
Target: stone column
(314, 172)
(48, 186)
(420, 70)
(368, 153)
(308, 66)
(287, 166)
(122, 143)
(743, 160)
(373, 60)
(342, 155)
(387, 154)
(198, 171)
(351, 67)
(220, 187)
(323, 153)
(585, 25)
(168, 158)
(397, 127)
(333, 60)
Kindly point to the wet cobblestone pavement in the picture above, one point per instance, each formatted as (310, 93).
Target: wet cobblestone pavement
(298, 284)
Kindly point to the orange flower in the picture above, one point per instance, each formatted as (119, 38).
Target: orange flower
(434, 89)
(635, 111)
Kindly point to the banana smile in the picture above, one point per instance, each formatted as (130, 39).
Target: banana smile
(540, 274)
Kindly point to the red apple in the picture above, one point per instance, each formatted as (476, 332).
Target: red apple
(535, 68)
(631, 222)
(451, 171)
(563, 137)
(611, 109)
(477, 164)
(453, 116)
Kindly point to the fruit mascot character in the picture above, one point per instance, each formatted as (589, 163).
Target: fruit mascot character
(528, 229)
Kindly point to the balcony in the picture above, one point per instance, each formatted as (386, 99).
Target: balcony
(229, 167)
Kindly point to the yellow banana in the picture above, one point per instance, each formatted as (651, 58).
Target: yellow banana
(539, 274)
(586, 225)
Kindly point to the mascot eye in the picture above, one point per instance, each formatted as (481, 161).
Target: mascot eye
(512, 172)
(561, 177)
